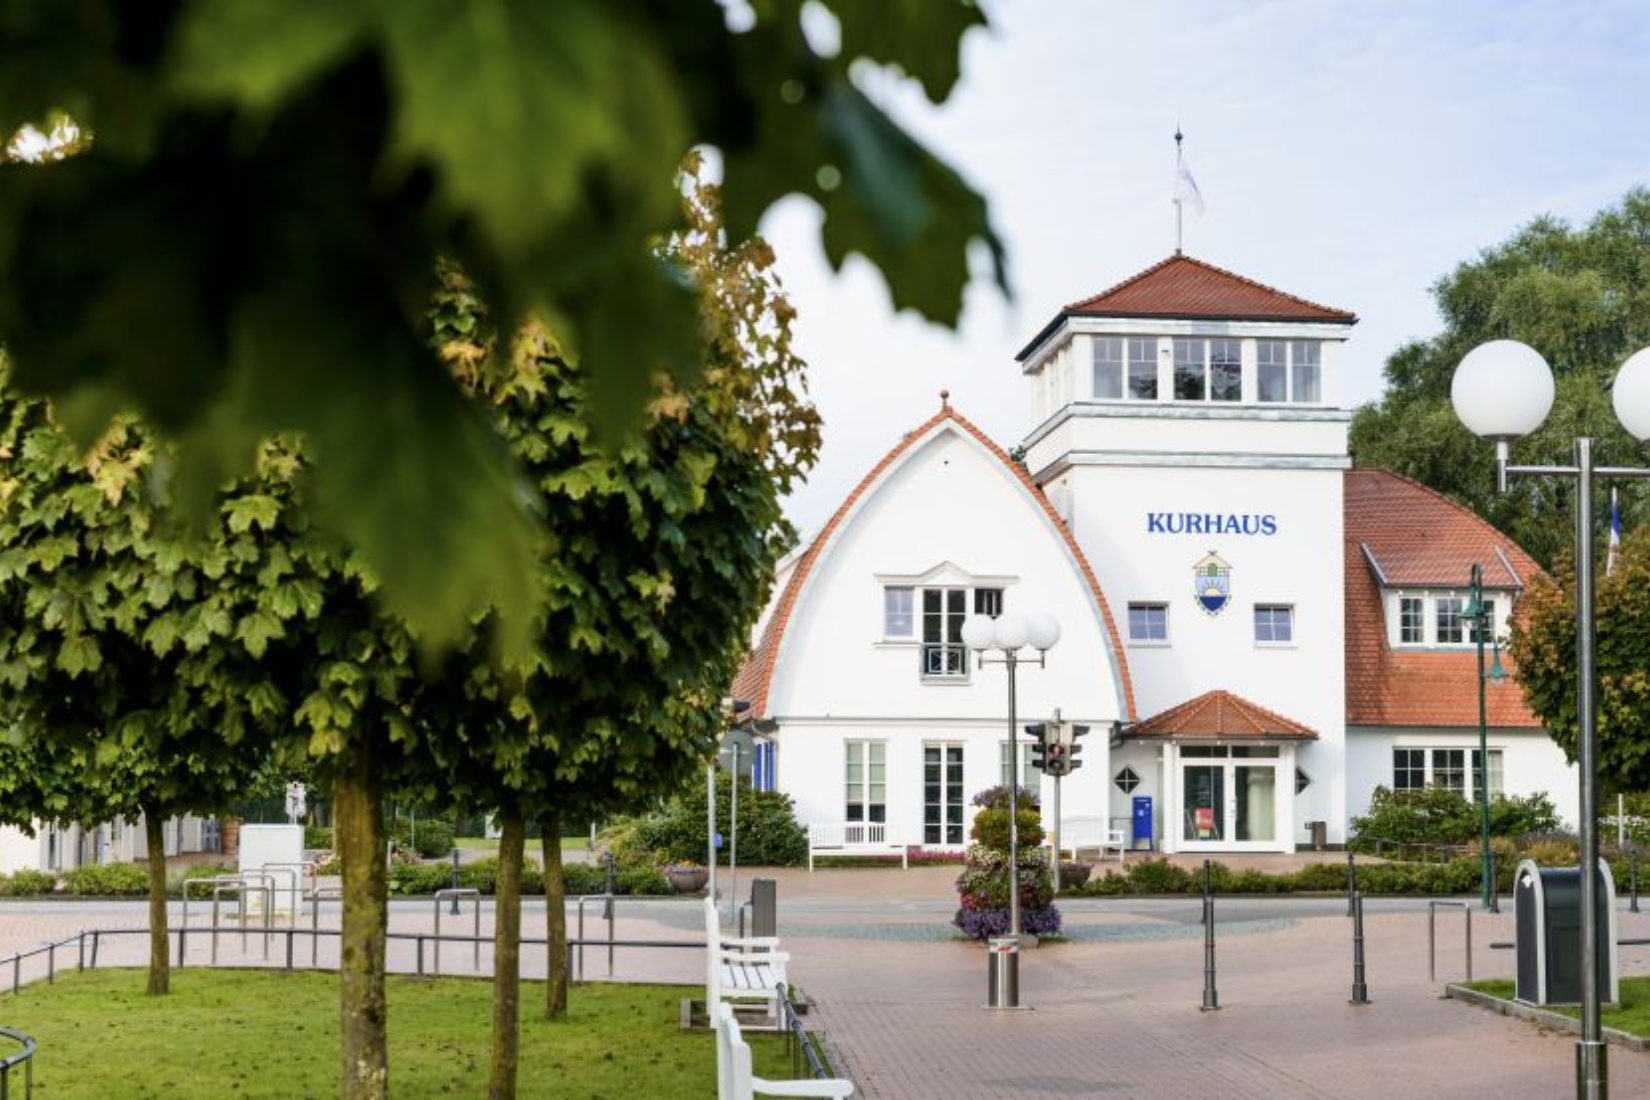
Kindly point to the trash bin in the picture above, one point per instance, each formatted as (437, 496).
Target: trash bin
(1319, 831)
(1003, 972)
(764, 907)
(1547, 907)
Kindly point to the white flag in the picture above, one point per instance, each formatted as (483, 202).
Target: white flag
(1185, 189)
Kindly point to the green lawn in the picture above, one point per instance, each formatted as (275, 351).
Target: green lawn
(1633, 1016)
(257, 1035)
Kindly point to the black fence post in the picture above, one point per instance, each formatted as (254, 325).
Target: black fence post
(1360, 988)
(1351, 882)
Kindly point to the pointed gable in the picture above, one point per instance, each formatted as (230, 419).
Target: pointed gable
(755, 678)
(1182, 288)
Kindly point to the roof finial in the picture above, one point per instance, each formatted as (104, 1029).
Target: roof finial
(945, 399)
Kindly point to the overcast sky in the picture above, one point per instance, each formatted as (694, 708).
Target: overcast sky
(1349, 153)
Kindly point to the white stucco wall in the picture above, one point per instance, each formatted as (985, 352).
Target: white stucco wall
(949, 510)
(1530, 759)
(18, 850)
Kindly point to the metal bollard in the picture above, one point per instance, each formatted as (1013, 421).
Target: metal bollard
(1633, 881)
(1360, 989)
(1207, 892)
(1211, 999)
(454, 911)
(1495, 890)
(1003, 976)
(1351, 882)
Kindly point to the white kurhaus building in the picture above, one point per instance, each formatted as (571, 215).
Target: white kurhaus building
(1256, 634)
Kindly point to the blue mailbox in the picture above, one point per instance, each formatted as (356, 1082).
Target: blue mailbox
(1142, 822)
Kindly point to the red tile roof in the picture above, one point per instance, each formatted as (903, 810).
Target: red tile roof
(1186, 289)
(1219, 716)
(755, 677)
(1400, 530)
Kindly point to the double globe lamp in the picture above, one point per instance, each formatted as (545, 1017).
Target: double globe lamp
(1009, 633)
(1502, 391)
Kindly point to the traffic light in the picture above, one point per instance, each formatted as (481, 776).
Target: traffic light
(1076, 747)
(1037, 731)
(1059, 762)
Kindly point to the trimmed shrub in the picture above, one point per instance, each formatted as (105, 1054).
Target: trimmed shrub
(317, 838)
(27, 883)
(107, 880)
(769, 834)
(583, 878)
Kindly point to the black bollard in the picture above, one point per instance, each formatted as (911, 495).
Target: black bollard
(1633, 880)
(1351, 881)
(1495, 885)
(1211, 999)
(607, 906)
(1207, 891)
(455, 881)
(1360, 989)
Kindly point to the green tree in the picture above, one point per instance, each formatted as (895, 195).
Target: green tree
(1579, 296)
(248, 243)
(664, 550)
(114, 692)
(1543, 644)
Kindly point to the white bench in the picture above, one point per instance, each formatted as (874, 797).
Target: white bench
(735, 1079)
(1082, 834)
(742, 972)
(853, 838)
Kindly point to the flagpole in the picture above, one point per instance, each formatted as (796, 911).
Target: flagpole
(1178, 206)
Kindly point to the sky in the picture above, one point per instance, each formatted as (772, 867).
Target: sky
(1351, 153)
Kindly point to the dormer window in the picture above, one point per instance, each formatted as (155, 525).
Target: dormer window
(1438, 619)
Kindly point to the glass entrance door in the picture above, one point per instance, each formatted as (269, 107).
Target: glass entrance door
(1229, 796)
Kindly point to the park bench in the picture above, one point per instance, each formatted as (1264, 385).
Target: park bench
(1083, 834)
(742, 972)
(735, 1080)
(853, 838)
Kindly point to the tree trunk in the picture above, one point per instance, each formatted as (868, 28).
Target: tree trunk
(358, 811)
(555, 917)
(501, 1082)
(160, 955)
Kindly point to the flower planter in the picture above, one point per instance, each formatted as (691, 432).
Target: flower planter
(687, 880)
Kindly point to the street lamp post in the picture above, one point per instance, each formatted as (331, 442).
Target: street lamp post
(1502, 391)
(1483, 622)
(1009, 633)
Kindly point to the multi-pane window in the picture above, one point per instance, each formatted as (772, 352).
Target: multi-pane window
(1143, 368)
(899, 619)
(1449, 622)
(1027, 772)
(1289, 370)
(1412, 620)
(1149, 622)
(988, 602)
(1413, 769)
(1306, 372)
(942, 794)
(1274, 624)
(866, 781)
(1108, 368)
(1409, 769)
(943, 612)
(1208, 370)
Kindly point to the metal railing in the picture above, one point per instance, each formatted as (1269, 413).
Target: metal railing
(23, 1057)
(802, 1044)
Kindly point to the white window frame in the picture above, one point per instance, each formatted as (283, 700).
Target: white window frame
(1288, 613)
(1146, 639)
(1198, 354)
(1300, 364)
(1025, 742)
(952, 800)
(865, 781)
(1433, 605)
(1438, 768)
(1109, 373)
(893, 617)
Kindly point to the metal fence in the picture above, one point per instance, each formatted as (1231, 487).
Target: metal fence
(23, 1057)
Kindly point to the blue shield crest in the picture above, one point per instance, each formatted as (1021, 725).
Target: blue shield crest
(1212, 583)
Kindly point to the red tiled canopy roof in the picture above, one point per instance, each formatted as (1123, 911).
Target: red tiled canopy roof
(1400, 533)
(1186, 289)
(1219, 716)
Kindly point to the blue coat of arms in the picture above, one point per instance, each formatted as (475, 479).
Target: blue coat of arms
(1212, 583)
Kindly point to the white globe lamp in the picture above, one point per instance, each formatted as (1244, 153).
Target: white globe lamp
(1502, 390)
(1631, 395)
(1042, 630)
(979, 632)
(1013, 630)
